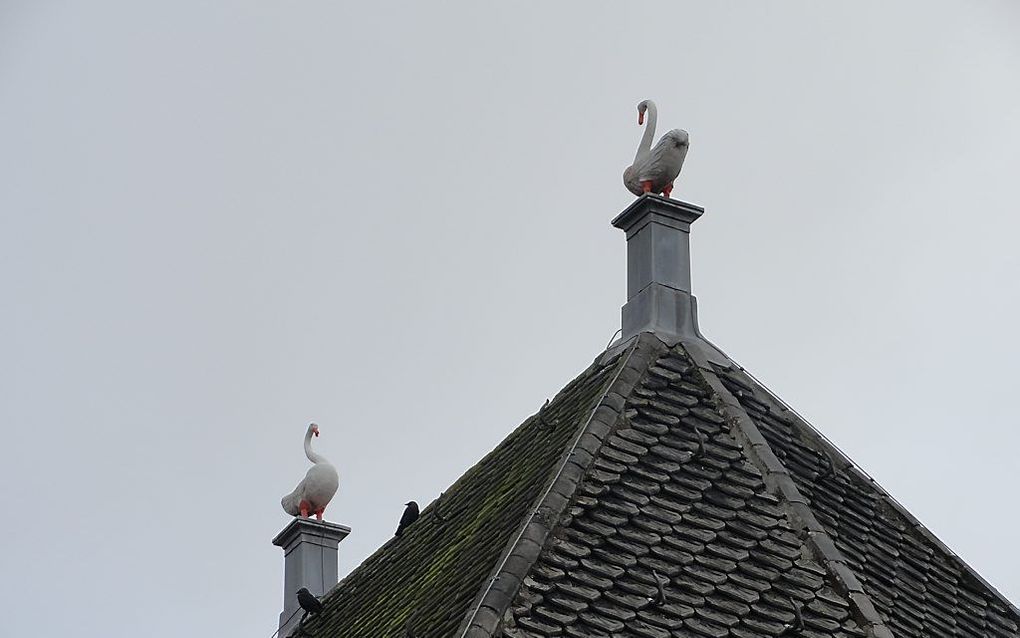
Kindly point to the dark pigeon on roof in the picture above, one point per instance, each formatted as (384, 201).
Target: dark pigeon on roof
(663, 493)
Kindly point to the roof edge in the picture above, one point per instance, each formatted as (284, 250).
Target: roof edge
(779, 482)
(485, 615)
(834, 453)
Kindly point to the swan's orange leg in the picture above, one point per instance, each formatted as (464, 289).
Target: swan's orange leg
(318, 513)
(668, 189)
(646, 186)
(305, 507)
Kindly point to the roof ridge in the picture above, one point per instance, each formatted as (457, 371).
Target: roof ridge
(486, 613)
(830, 450)
(778, 480)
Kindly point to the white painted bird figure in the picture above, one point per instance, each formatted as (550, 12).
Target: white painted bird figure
(315, 491)
(655, 169)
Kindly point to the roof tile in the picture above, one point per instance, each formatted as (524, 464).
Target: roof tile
(695, 504)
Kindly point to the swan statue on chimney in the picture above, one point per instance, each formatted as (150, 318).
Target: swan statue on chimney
(655, 169)
(315, 491)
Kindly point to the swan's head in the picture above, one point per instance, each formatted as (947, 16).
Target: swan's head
(641, 108)
(314, 429)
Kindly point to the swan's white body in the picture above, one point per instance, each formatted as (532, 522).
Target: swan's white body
(315, 491)
(655, 169)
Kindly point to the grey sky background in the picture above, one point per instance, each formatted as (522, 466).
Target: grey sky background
(220, 221)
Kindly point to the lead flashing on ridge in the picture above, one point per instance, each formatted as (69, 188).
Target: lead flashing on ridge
(779, 482)
(493, 602)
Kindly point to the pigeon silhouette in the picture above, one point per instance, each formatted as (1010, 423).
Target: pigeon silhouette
(409, 516)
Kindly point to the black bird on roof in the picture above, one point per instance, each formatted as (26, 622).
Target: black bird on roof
(308, 601)
(409, 516)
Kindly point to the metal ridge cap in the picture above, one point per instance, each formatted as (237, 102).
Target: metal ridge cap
(779, 482)
(892, 500)
(497, 596)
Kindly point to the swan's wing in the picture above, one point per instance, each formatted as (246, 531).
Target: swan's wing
(630, 180)
(666, 158)
(291, 502)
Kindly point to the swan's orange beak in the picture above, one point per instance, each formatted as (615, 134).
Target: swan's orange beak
(315, 431)
(640, 118)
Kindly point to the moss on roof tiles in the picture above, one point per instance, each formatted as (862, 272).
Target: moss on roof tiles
(685, 483)
(422, 583)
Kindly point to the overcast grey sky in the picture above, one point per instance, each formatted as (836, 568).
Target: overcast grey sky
(219, 221)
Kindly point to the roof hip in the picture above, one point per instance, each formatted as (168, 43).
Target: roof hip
(486, 613)
(777, 479)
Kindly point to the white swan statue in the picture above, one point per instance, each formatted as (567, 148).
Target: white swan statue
(655, 169)
(315, 491)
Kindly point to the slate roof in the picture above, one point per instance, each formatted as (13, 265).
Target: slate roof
(664, 492)
(914, 580)
(423, 582)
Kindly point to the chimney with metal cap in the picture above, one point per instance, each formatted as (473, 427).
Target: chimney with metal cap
(659, 295)
(310, 560)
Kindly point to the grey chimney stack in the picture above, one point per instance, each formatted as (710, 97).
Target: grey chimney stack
(659, 295)
(310, 560)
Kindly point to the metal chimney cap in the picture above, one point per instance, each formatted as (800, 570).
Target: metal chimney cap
(313, 530)
(648, 208)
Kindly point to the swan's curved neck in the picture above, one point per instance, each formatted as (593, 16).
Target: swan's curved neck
(312, 456)
(646, 140)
